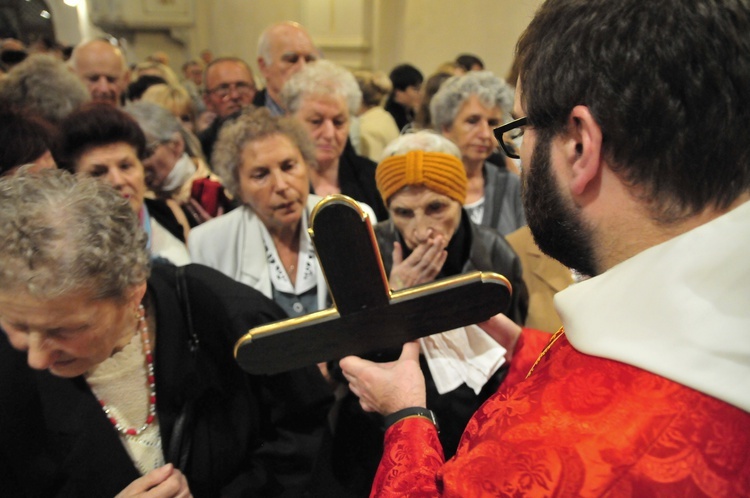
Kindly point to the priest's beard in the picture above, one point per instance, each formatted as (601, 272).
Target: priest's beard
(558, 230)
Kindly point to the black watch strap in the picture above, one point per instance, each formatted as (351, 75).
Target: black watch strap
(411, 412)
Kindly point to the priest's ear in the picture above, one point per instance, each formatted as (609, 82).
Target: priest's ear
(582, 149)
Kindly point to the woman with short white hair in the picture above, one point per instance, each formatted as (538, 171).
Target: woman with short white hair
(466, 109)
(324, 97)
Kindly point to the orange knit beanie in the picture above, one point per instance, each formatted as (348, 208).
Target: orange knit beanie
(443, 173)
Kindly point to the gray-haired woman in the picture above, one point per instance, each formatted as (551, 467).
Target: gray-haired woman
(173, 169)
(101, 388)
(466, 109)
(324, 97)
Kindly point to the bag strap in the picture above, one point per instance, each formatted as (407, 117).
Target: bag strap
(184, 297)
(180, 442)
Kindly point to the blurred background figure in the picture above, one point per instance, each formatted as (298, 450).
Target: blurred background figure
(376, 127)
(103, 69)
(43, 85)
(160, 57)
(404, 100)
(206, 56)
(229, 88)
(102, 141)
(139, 86)
(449, 67)
(155, 68)
(423, 118)
(324, 97)
(177, 101)
(469, 62)
(28, 140)
(192, 71)
(283, 49)
(466, 109)
(172, 170)
(192, 81)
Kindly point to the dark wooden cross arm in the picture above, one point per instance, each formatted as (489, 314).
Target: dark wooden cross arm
(367, 316)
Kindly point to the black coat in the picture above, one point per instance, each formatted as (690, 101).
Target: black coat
(357, 180)
(57, 441)
(401, 114)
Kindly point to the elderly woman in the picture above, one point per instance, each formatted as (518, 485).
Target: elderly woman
(264, 243)
(466, 109)
(324, 97)
(101, 141)
(173, 171)
(266, 162)
(112, 374)
(429, 236)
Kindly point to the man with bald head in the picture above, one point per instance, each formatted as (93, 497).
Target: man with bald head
(102, 68)
(283, 49)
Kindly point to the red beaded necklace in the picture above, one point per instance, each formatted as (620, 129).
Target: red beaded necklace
(132, 431)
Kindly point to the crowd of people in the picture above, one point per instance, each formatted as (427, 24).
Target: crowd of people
(151, 219)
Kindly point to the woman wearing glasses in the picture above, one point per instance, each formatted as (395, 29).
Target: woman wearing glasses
(466, 109)
(101, 141)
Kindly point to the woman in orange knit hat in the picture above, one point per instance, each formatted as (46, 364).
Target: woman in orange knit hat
(429, 236)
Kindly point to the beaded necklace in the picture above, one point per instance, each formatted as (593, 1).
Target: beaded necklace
(132, 431)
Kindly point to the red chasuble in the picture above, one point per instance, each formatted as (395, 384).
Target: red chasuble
(577, 426)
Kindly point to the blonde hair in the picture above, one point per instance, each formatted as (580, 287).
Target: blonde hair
(174, 98)
(156, 69)
(375, 86)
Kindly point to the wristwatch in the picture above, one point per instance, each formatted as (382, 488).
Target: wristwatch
(411, 412)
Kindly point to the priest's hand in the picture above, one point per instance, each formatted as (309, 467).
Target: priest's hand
(387, 387)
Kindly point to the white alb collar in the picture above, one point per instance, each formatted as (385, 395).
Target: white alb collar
(680, 309)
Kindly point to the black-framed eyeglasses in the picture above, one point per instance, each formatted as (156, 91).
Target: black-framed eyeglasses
(223, 91)
(509, 132)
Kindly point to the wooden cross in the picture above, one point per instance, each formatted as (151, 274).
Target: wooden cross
(367, 316)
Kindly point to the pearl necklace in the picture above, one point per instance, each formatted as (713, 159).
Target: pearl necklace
(132, 431)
